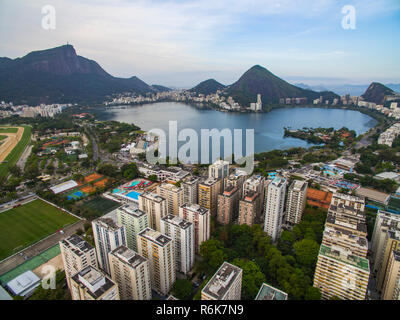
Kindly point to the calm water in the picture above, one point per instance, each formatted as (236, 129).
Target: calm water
(268, 127)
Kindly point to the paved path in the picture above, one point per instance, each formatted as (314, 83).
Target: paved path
(22, 160)
(16, 260)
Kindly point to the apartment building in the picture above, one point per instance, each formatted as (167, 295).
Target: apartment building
(173, 195)
(76, 254)
(226, 284)
(200, 217)
(155, 206)
(391, 283)
(296, 202)
(219, 170)
(236, 179)
(134, 221)
(181, 232)
(274, 207)
(228, 205)
(342, 268)
(341, 274)
(256, 183)
(131, 272)
(108, 235)
(190, 188)
(248, 208)
(91, 284)
(158, 249)
(208, 194)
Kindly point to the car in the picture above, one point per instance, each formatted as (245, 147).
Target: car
(196, 284)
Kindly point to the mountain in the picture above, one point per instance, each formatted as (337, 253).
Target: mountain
(60, 75)
(208, 87)
(259, 80)
(377, 92)
(159, 88)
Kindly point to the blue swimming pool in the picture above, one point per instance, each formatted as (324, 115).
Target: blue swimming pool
(133, 195)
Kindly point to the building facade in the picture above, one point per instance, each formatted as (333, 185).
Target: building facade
(108, 235)
(158, 249)
(201, 219)
(181, 232)
(296, 202)
(131, 272)
(134, 221)
(228, 205)
(274, 207)
(155, 206)
(76, 254)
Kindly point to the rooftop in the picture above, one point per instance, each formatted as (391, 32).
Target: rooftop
(155, 236)
(229, 191)
(132, 209)
(345, 257)
(177, 221)
(373, 195)
(268, 292)
(128, 256)
(107, 223)
(298, 185)
(95, 282)
(222, 280)
(77, 244)
(195, 208)
(152, 196)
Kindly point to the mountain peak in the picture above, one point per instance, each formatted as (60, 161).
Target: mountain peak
(376, 93)
(208, 87)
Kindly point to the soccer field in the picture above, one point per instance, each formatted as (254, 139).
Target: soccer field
(29, 223)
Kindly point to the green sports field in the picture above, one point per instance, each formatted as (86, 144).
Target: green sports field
(22, 226)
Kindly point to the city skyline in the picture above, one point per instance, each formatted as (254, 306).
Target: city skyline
(180, 43)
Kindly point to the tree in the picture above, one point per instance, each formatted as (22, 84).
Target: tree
(182, 289)
(313, 293)
(130, 171)
(252, 278)
(306, 251)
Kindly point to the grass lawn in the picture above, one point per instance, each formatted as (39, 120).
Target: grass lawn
(14, 155)
(102, 204)
(29, 223)
(2, 137)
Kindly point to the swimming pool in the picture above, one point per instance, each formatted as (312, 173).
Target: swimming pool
(133, 195)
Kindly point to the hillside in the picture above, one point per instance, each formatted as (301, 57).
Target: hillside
(259, 80)
(208, 87)
(376, 93)
(60, 75)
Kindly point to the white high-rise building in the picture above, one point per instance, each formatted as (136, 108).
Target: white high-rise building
(182, 234)
(132, 274)
(134, 221)
(200, 217)
(90, 284)
(296, 201)
(76, 254)
(158, 249)
(226, 284)
(275, 201)
(219, 169)
(155, 206)
(108, 235)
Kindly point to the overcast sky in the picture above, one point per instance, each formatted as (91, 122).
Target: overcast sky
(180, 43)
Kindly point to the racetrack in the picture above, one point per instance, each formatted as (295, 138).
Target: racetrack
(10, 142)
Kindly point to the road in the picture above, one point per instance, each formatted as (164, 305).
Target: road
(16, 260)
(22, 160)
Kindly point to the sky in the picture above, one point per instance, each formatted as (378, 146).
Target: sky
(179, 43)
